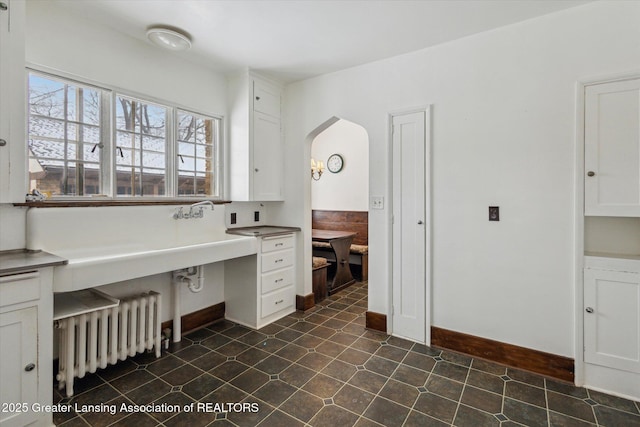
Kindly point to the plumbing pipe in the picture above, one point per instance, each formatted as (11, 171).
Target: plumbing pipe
(180, 277)
(177, 327)
(197, 288)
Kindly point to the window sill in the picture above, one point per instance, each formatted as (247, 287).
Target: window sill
(110, 202)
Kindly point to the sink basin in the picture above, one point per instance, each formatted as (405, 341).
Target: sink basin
(87, 269)
(113, 244)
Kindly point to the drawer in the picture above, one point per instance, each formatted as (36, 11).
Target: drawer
(275, 260)
(17, 288)
(276, 301)
(276, 280)
(277, 243)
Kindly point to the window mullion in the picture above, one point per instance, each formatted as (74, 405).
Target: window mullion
(107, 138)
(171, 153)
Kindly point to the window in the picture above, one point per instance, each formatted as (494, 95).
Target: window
(65, 131)
(141, 147)
(149, 150)
(196, 136)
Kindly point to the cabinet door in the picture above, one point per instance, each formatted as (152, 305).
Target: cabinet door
(19, 344)
(612, 149)
(267, 158)
(13, 184)
(612, 319)
(4, 105)
(266, 98)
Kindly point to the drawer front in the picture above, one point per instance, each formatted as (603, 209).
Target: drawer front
(277, 243)
(278, 300)
(17, 288)
(276, 260)
(276, 280)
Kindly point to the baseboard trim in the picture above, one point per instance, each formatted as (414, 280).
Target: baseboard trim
(551, 365)
(198, 319)
(376, 321)
(305, 302)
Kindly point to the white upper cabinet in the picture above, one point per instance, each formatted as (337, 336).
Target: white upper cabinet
(256, 149)
(12, 101)
(612, 149)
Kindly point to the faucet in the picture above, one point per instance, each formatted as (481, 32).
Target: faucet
(193, 213)
(202, 203)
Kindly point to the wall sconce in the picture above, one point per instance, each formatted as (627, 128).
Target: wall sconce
(316, 169)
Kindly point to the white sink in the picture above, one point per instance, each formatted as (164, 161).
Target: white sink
(105, 246)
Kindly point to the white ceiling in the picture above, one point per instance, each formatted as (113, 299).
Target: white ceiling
(296, 39)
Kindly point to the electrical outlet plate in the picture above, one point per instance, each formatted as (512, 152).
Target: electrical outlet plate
(376, 202)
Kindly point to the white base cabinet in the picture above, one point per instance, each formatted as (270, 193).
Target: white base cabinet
(612, 313)
(26, 329)
(260, 289)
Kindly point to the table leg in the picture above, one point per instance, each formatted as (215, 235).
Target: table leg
(343, 277)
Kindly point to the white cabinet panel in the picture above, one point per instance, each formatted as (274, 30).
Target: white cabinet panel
(13, 184)
(612, 318)
(18, 370)
(267, 158)
(256, 148)
(612, 149)
(266, 98)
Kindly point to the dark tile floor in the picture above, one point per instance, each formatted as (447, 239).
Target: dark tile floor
(323, 368)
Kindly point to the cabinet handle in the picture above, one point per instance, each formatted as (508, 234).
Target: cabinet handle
(279, 260)
(279, 280)
(591, 173)
(279, 302)
(589, 310)
(257, 98)
(256, 169)
(3, 6)
(3, 142)
(30, 367)
(279, 244)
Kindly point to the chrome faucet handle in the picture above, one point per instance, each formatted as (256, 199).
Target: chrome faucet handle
(178, 214)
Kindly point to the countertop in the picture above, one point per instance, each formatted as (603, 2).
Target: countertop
(262, 230)
(16, 261)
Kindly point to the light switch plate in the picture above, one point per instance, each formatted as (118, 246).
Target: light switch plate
(376, 202)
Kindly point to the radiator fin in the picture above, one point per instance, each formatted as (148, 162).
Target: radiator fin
(103, 337)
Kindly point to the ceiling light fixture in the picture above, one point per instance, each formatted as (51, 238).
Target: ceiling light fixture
(169, 39)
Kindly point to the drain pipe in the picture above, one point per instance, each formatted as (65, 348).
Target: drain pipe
(180, 277)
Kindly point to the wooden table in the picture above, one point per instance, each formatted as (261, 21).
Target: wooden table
(340, 242)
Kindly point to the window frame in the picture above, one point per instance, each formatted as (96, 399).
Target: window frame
(109, 135)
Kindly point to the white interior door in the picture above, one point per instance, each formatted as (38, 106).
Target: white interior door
(410, 226)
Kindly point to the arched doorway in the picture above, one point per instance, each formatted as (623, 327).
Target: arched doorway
(340, 197)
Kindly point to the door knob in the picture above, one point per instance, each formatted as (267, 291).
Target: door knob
(3, 142)
(591, 173)
(3, 6)
(589, 310)
(30, 367)
(420, 222)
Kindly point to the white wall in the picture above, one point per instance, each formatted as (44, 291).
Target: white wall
(63, 41)
(347, 190)
(503, 125)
